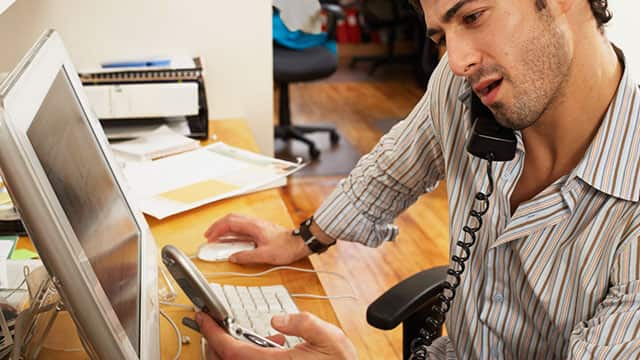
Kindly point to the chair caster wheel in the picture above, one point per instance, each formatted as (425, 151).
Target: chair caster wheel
(334, 138)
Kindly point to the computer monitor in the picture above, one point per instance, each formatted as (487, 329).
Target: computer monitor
(55, 160)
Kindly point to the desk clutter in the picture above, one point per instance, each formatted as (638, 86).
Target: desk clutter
(10, 223)
(29, 303)
(194, 178)
(159, 143)
(131, 98)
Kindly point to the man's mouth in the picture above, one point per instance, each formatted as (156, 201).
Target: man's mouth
(490, 87)
(488, 90)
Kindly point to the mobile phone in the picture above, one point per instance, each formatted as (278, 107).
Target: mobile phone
(197, 289)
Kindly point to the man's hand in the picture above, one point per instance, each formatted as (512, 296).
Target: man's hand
(322, 340)
(274, 244)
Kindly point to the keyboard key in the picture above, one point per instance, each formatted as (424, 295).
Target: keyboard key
(217, 289)
(252, 307)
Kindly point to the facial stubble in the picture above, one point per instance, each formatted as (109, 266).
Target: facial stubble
(540, 81)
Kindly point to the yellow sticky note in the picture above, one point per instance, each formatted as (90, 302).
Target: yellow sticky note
(199, 191)
(4, 198)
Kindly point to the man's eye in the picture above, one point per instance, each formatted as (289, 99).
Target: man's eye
(472, 18)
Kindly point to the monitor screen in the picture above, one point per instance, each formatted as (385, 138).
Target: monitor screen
(91, 199)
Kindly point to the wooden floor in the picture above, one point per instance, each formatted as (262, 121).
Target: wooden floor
(354, 107)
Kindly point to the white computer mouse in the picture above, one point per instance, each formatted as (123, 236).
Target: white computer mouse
(220, 251)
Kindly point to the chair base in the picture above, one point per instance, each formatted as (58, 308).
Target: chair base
(297, 132)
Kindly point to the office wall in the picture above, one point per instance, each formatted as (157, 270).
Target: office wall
(4, 4)
(623, 30)
(234, 37)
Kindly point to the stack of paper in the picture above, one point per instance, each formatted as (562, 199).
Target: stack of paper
(185, 181)
(159, 143)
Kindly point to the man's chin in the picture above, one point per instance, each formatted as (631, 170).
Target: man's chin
(514, 125)
(511, 122)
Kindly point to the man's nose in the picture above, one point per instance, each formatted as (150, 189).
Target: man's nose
(463, 57)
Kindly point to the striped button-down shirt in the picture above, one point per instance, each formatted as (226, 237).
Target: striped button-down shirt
(558, 278)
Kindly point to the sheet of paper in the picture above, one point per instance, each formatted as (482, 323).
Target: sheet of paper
(12, 272)
(7, 243)
(4, 279)
(4, 197)
(185, 181)
(159, 143)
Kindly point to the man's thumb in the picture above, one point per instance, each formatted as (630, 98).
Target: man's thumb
(306, 326)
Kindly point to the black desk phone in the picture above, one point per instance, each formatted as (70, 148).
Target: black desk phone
(490, 141)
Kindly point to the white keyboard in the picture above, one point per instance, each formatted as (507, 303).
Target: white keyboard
(253, 306)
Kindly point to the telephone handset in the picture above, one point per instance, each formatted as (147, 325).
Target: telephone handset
(490, 141)
(487, 136)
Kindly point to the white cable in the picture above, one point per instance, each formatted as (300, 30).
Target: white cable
(325, 297)
(203, 348)
(278, 268)
(172, 291)
(175, 327)
(169, 303)
(61, 349)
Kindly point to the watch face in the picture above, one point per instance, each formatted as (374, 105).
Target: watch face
(317, 247)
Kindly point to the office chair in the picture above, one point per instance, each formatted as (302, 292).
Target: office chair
(410, 302)
(291, 66)
(390, 15)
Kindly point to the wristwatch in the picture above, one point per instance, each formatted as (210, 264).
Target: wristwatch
(309, 239)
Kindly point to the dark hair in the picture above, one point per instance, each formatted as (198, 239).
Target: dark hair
(599, 9)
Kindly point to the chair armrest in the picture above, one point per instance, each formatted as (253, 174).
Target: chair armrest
(406, 298)
(334, 13)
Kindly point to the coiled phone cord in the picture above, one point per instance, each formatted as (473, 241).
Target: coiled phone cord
(433, 324)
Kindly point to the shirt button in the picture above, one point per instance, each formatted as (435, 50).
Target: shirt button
(498, 298)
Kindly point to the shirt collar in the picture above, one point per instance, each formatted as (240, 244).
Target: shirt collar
(612, 161)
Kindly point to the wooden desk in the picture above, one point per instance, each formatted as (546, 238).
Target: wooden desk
(186, 231)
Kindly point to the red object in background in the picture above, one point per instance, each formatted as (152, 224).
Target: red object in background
(353, 27)
(342, 33)
(323, 14)
(375, 37)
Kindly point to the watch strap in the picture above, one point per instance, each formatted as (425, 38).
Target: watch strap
(309, 239)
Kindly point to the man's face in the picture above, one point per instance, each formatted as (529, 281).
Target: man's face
(513, 54)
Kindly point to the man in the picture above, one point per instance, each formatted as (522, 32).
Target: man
(555, 270)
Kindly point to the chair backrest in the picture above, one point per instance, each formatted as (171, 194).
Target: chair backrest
(385, 13)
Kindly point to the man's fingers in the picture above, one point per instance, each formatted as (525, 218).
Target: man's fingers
(232, 223)
(307, 326)
(277, 338)
(212, 331)
(257, 256)
(226, 347)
